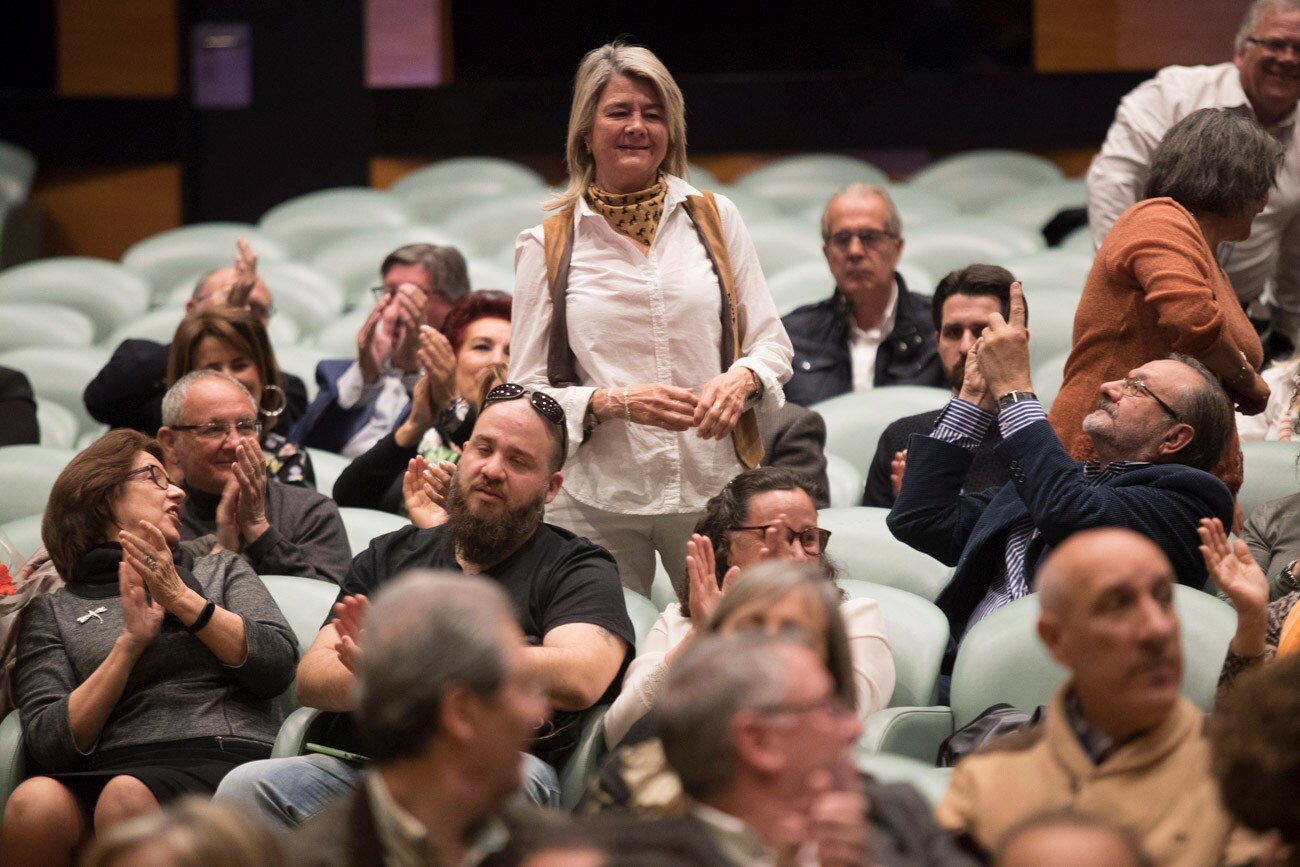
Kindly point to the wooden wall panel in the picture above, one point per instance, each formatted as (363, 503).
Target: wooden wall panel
(116, 47)
(1111, 35)
(98, 211)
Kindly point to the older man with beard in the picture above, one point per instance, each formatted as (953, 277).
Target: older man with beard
(1156, 432)
(566, 592)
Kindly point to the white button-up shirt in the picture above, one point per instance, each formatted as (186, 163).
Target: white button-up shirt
(635, 319)
(1119, 172)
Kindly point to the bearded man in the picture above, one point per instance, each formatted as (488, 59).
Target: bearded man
(565, 590)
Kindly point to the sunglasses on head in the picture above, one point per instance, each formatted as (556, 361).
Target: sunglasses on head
(545, 405)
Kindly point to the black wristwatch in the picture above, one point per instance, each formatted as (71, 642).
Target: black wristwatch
(1013, 397)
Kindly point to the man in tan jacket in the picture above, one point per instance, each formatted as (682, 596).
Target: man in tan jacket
(1118, 740)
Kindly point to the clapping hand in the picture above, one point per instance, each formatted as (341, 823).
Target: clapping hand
(1237, 574)
(148, 557)
(349, 616)
(142, 616)
(245, 274)
(424, 489)
(702, 570)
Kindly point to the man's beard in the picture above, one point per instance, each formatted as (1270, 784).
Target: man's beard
(485, 541)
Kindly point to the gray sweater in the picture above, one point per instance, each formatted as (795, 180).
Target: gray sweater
(307, 537)
(177, 690)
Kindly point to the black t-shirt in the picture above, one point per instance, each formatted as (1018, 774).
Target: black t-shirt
(554, 578)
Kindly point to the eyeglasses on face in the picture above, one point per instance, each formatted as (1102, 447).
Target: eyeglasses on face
(382, 292)
(1135, 387)
(217, 430)
(1275, 47)
(813, 539)
(545, 405)
(154, 473)
(869, 238)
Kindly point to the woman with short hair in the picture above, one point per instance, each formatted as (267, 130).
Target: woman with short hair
(1155, 287)
(151, 673)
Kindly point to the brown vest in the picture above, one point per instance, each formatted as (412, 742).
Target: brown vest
(561, 370)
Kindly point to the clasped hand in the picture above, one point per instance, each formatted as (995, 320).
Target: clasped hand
(713, 414)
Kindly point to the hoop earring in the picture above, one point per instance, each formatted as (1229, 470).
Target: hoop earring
(278, 404)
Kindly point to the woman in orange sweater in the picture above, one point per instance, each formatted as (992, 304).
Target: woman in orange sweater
(1155, 286)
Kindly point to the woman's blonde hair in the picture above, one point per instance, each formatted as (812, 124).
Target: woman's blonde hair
(597, 68)
(194, 832)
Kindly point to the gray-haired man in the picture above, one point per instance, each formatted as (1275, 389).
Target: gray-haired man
(210, 433)
(447, 699)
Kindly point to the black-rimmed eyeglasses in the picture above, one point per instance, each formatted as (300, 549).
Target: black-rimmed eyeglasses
(545, 405)
(813, 539)
(155, 474)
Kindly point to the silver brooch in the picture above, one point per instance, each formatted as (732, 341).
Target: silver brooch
(92, 612)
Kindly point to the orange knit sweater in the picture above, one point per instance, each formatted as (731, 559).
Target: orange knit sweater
(1154, 288)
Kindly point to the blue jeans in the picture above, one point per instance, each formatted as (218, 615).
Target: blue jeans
(287, 792)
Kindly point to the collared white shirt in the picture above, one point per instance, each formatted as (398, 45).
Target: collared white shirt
(864, 345)
(390, 394)
(1119, 172)
(635, 319)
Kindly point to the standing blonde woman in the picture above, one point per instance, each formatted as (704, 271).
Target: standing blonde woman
(641, 307)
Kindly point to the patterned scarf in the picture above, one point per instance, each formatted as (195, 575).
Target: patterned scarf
(634, 214)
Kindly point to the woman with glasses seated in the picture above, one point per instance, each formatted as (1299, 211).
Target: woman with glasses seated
(641, 307)
(151, 673)
(762, 514)
(233, 341)
(1156, 288)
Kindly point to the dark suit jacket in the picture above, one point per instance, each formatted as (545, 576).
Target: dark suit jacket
(985, 472)
(823, 366)
(326, 425)
(795, 438)
(128, 392)
(18, 409)
(1164, 502)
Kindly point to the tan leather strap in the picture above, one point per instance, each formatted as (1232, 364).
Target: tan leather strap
(557, 241)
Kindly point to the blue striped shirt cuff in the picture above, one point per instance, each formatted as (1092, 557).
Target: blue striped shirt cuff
(962, 423)
(1019, 416)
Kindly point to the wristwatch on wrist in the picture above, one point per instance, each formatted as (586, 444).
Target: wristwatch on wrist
(1012, 397)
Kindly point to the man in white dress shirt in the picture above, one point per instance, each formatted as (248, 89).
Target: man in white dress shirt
(1262, 81)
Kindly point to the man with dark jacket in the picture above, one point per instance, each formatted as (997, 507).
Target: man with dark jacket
(872, 331)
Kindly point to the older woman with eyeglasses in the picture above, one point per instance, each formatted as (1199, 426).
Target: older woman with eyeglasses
(641, 307)
(762, 514)
(151, 673)
(1156, 287)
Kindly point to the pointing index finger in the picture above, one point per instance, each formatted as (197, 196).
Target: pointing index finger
(1017, 304)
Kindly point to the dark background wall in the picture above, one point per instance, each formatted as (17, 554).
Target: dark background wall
(101, 90)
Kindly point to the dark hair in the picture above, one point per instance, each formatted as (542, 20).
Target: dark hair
(467, 309)
(1208, 409)
(84, 497)
(1215, 161)
(445, 264)
(729, 509)
(992, 280)
(237, 328)
(1255, 732)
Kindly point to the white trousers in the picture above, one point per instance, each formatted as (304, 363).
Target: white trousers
(631, 539)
